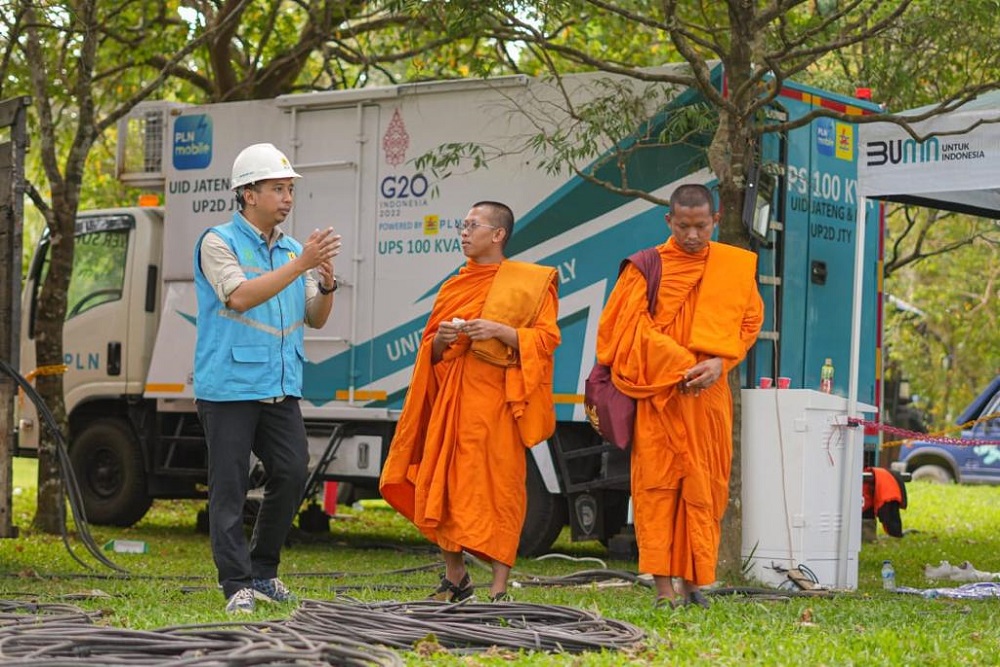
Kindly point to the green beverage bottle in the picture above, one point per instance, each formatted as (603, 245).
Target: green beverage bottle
(826, 377)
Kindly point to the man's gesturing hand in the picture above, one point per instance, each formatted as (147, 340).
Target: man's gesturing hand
(320, 248)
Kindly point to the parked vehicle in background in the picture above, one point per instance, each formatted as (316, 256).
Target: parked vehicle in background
(975, 463)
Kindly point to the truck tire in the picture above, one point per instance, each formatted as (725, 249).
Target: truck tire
(546, 516)
(930, 472)
(109, 471)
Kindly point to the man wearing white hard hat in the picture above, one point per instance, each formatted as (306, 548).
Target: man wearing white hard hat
(257, 288)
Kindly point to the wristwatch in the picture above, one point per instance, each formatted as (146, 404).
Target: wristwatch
(324, 291)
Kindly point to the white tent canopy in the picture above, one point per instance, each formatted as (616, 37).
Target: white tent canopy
(955, 165)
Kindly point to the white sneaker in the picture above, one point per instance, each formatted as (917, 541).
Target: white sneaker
(272, 590)
(241, 602)
(943, 571)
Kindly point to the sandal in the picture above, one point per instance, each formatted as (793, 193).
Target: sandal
(449, 592)
(665, 602)
(698, 599)
(502, 596)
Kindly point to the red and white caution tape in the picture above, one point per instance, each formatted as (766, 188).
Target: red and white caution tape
(923, 437)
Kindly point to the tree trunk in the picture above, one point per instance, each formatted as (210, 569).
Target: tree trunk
(50, 516)
(730, 153)
(730, 548)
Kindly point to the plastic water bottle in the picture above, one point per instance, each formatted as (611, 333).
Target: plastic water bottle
(888, 576)
(826, 377)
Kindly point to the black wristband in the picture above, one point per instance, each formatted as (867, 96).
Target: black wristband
(325, 291)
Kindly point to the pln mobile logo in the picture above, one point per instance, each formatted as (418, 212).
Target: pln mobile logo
(826, 136)
(192, 142)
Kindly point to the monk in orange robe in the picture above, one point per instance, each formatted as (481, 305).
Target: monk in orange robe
(481, 393)
(674, 362)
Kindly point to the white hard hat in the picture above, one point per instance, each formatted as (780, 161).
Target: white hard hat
(260, 162)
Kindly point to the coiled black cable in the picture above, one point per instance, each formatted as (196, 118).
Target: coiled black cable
(581, 577)
(60, 635)
(340, 632)
(467, 626)
(71, 487)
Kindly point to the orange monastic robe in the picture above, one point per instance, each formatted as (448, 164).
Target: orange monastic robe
(456, 466)
(707, 305)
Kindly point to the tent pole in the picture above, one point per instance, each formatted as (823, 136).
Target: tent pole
(850, 488)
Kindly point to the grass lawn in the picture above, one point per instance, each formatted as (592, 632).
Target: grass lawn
(174, 584)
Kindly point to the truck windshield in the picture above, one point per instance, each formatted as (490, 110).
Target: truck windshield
(98, 270)
(990, 427)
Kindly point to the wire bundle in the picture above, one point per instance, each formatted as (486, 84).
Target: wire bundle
(583, 577)
(64, 635)
(318, 633)
(467, 626)
(19, 612)
(72, 488)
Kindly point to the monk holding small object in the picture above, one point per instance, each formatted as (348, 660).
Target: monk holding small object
(674, 362)
(481, 393)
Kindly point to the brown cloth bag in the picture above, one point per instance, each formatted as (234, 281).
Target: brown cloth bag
(610, 412)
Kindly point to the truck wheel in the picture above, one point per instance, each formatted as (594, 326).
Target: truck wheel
(930, 472)
(545, 518)
(108, 467)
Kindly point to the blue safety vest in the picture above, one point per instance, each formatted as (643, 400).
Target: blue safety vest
(258, 353)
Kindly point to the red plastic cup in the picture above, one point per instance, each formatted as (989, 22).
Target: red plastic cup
(784, 383)
(765, 383)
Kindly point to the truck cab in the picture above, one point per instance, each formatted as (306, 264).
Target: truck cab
(113, 310)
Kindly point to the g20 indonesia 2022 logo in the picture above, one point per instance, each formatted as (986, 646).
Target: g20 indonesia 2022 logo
(192, 142)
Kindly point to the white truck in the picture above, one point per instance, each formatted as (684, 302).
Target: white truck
(130, 328)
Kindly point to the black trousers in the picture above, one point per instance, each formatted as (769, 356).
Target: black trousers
(275, 433)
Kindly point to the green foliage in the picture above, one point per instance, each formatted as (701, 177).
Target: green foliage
(690, 124)
(124, 65)
(609, 37)
(446, 159)
(362, 555)
(952, 350)
(933, 50)
(598, 129)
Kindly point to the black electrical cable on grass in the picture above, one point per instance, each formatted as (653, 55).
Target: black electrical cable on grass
(318, 633)
(749, 591)
(63, 635)
(468, 626)
(71, 486)
(582, 577)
